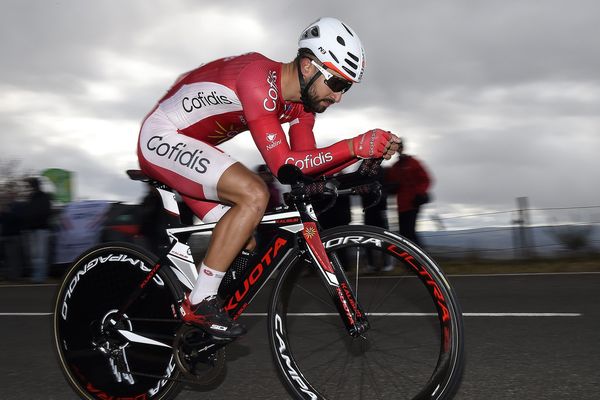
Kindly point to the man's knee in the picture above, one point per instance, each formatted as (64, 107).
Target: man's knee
(251, 194)
(239, 186)
(256, 195)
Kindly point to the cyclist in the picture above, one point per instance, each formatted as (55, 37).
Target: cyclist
(212, 104)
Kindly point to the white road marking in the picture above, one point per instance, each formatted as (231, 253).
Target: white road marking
(393, 314)
(24, 314)
(24, 285)
(407, 314)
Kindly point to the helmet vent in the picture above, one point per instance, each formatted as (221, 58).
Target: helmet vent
(350, 63)
(334, 57)
(352, 56)
(311, 33)
(340, 40)
(348, 29)
(349, 71)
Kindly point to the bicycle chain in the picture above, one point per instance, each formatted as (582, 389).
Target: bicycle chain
(181, 380)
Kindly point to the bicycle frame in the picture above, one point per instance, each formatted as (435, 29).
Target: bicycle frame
(293, 234)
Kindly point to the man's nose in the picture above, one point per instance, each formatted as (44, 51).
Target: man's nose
(337, 96)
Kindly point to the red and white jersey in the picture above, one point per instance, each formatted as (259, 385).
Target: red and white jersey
(218, 100)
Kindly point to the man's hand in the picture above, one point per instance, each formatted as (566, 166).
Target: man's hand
(375, 143)
(392, 147)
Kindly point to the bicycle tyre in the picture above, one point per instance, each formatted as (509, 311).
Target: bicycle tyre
(414, 348)
(95, 286)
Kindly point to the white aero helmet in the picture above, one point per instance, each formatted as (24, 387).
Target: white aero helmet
(336, 46)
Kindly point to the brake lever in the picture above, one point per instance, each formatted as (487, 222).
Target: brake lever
(330, 189)
(374, 187)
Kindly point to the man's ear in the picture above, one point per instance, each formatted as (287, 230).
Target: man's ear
(305, 66)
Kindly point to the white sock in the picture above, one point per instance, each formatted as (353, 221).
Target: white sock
(207, 284)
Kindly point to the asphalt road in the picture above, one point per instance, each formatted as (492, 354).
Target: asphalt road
(528, 337)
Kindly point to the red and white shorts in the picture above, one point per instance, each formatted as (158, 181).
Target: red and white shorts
(191, 167)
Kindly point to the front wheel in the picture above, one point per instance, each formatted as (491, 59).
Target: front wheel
(103, 354)
(414, 347)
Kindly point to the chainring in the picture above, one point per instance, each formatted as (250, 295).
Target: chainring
(200, 358)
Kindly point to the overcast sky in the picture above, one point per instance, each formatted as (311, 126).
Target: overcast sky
(500, 99)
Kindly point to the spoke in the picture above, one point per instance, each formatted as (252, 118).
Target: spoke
(329, 303)
(327, 363)
(316, 297)
(377, 284)
(433, 338)
(369, 371)
(321, 363)
(386, 369)
(343, 374)
(357, 266)
(386, 296)
(332, 322)
(403, 356)
(319, 350)
(390, 325)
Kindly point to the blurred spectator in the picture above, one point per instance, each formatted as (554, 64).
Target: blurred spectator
(275, 194)
(409, 179)
(36, 218)
(376, 213)
(11, 220)
(375, 209)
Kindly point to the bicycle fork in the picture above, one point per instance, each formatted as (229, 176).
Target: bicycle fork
(335, 279)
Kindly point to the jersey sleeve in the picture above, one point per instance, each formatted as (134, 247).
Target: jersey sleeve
(301, 130)
(302, 138)
(259, 94)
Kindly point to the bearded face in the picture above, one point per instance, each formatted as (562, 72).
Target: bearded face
(316, 103)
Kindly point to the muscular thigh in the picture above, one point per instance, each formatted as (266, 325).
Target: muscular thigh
(236, 184)
(190, 166)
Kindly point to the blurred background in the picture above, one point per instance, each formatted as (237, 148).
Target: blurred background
(499, 100)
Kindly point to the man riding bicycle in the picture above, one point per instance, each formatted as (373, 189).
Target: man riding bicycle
(212, 104)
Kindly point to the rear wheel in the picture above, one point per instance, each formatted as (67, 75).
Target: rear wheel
(414, 347)
(102, 354)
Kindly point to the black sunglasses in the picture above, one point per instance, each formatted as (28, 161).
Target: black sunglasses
(335, 83)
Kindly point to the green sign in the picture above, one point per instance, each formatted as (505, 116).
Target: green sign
(62, 180)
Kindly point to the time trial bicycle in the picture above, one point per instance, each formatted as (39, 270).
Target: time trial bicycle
(335, 330)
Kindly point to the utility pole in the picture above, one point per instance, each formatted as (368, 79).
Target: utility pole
(521, 234)
(438, 222)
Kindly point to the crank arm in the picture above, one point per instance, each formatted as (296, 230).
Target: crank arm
(134, 337)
